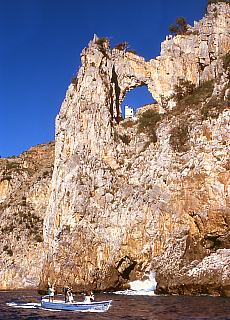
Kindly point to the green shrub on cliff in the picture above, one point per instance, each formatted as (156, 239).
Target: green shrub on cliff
(132, 51)
(200, 99)
(125, 138)
(189, 97)
(217, 103)
(183, 89)
(74, 81)
(11, 165)
(214, 106)
(38, 238)
(147, 123)
(128, 123)
(200, 93)
(102, 41)
(217, 1)
(180, 27)
(179, 137)
(121, 46)
(103, 44)
(226, 62)
(122, 137)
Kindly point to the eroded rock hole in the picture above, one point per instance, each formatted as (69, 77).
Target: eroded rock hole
(135, 99)
(125, 266)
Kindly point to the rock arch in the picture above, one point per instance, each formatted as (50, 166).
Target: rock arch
(128, 71)
(137, 97)
(132, 72)
(87, 157)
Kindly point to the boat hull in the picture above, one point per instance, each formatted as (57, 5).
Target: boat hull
(98, 306)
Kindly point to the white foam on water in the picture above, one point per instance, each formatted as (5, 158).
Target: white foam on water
(135, 293)
(142, 287)
(29, 305)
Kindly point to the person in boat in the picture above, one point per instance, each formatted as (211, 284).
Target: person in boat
(65, 290)
(51, 291)
(89, 297)
(69, 295)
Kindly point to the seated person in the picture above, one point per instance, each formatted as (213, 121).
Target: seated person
(89, 297)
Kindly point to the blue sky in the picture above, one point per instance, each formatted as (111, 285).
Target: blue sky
(41, 42)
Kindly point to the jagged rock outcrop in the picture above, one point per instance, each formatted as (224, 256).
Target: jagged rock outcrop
(124, 201)
(24, 193)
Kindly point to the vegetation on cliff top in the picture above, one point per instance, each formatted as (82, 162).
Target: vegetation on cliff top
(188, 96)
(199, 101)
(103, 44)
(121, 46)
(124, 46)
(196, 104)
(217, 1)
(180, 27)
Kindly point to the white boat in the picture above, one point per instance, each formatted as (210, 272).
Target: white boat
(95, 306)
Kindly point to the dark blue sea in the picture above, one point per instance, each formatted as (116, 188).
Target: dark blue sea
(18, 305)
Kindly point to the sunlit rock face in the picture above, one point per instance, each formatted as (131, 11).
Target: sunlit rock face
(122, 204)
(192, 56)
(24, 193)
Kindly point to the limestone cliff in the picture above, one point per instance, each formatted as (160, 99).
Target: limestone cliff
(129, 197)
(24, 193)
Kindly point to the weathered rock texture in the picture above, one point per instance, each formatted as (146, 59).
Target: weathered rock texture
(24, 193)
(122, 203)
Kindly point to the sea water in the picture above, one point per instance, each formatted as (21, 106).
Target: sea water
(137, 303)
(24, 305)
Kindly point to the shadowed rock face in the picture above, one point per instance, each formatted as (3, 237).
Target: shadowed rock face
(24, 193)
(121, 207)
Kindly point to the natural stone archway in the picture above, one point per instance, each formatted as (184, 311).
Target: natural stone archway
(115, 208)
(132, 71)
(138, 97)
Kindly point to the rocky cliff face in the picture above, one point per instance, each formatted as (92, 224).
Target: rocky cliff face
(127, 196)
(24, 193)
